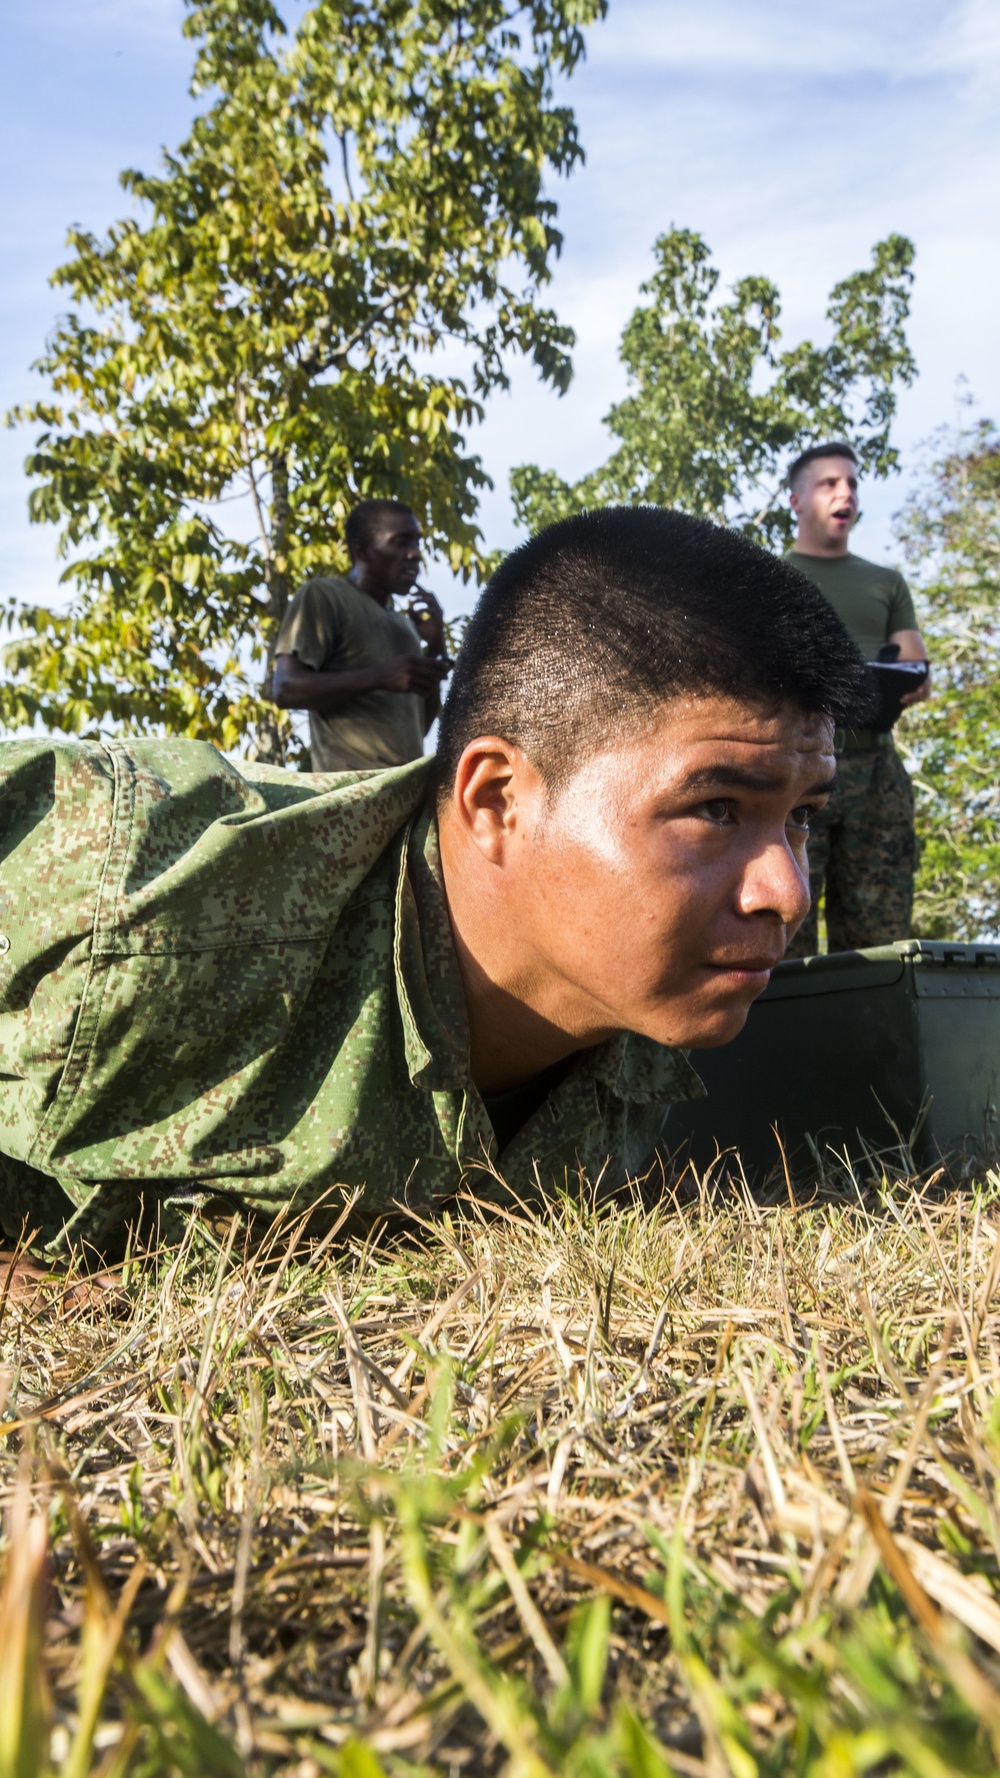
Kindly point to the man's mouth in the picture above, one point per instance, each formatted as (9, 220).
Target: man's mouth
(746, 966)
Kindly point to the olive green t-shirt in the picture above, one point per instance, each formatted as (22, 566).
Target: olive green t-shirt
(871, 602)
(334, 627)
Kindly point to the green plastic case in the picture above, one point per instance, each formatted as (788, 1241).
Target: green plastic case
(880, 1050)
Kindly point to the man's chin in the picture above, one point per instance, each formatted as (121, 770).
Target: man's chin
(702, 1028)
(720, 1030)
(718, 1027)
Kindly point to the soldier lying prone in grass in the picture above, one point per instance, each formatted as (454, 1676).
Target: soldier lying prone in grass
(223, 980)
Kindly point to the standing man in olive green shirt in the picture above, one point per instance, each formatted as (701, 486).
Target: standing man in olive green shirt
(369, 675)
(862, 848)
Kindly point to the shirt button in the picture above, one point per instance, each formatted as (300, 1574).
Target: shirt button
(4, 944)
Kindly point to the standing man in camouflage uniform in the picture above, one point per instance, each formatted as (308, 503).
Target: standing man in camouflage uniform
(369, 675)
(862, 846)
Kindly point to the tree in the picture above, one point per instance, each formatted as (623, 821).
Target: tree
(950, 529)
(716, 409)
(354, 197)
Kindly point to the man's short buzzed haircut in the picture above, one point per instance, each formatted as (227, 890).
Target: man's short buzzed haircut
(365, 519)
(838, 448)
(587, 629)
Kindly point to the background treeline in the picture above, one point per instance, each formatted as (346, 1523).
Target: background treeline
(263, 347)
(362, 203)
(950, 531)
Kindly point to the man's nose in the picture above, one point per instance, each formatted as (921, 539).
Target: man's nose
(775, 883)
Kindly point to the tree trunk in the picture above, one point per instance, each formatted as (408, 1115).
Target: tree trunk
(277, 586)
(273, 727)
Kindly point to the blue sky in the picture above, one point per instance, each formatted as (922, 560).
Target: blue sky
(791, 137)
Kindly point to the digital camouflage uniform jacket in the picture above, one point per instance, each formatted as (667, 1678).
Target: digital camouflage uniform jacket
(240, 983)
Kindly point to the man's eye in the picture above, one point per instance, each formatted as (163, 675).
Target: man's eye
(802, 816)
(719, 808)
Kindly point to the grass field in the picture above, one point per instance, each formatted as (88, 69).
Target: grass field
(707, 1488)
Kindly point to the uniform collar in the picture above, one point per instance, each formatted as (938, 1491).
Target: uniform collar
(428, 982)
(432, 1001)
(643, 1072)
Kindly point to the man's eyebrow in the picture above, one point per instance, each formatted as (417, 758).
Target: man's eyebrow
(744, 778)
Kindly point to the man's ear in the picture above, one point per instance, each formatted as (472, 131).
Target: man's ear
(495, 796)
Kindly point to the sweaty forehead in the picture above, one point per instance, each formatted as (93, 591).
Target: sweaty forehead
(703, 741)
(720, 745)
(734, 723)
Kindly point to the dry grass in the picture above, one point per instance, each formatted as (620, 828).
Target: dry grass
(706, 1488)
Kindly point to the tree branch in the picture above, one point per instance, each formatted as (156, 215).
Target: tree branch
(265, 541)
(342, 139)
(314, 365)
(758, 517)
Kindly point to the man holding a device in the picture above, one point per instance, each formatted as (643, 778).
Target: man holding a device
(862, 846)
(368, 672)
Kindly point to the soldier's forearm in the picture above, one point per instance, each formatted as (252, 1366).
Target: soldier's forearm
(304, 688)
(911, 645)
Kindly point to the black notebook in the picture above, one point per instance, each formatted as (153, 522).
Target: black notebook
(896, 679)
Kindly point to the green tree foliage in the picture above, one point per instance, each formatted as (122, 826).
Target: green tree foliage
(353, 196)
(716, 408)
(950, 529)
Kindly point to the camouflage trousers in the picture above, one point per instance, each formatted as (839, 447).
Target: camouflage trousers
(863, 850)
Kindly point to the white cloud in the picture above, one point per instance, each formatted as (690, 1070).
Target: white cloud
(967, 39)
(896, 39)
